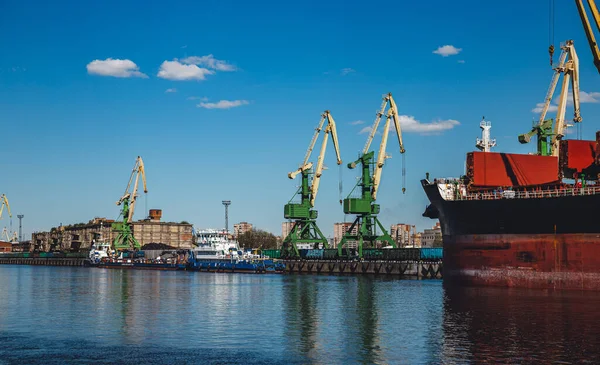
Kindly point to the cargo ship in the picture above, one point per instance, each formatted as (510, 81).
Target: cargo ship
(521, 220)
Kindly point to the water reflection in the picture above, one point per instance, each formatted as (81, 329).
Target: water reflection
(301, 317)
(336, 320)
(520, 326)
(361, 320)
(179, 317)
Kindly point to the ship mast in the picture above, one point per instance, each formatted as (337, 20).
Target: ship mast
(485, 143)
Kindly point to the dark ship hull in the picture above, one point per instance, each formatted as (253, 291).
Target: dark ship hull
(550, 240)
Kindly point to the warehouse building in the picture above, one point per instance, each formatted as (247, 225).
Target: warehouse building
(79, 237)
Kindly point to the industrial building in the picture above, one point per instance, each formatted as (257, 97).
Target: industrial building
(79, 237)
(6, 246)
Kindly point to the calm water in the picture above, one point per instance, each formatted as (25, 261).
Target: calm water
(54, 315)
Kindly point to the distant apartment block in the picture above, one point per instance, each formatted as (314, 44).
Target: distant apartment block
(417, 239)
(403, 234)
(286, 228)
(340, 229)
(241, 228)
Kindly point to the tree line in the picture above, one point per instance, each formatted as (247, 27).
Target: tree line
(257, 238)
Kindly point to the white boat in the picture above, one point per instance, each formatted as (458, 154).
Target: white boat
(99, 250)
(217, 239)
(215, 244)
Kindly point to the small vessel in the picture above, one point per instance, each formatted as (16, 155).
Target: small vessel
(217, 253)
(99, 251)
(101, 255)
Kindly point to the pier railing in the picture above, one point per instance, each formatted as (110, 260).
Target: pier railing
(457, 194)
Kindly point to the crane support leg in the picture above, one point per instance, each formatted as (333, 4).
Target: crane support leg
(366, 232)
(303, 231)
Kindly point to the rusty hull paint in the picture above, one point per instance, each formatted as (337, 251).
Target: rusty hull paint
(548, 261)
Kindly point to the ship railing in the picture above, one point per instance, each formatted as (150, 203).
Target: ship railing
(523, 194)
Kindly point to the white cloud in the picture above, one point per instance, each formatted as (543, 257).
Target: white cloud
(365, 130)
(584, 97)
(184, 46)
(347, 70)
(461, 61)
(209, 61)
(203, 98)
(171, 90)
(173, 70)
(591, 97)
(539, 106)
(223, 104)
(447, 50)
(115, 68)
(357, 122)
(410, 124)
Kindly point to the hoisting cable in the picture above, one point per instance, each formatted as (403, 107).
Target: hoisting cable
(551, 30)
(340, 183)
(403, 173)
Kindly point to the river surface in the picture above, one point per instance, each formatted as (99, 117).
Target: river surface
(58, 315)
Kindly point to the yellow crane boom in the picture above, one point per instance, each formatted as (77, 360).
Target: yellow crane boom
(587, 27)
(330, 128)
(552, 88)
(570, 72)
(4, 201)
(381, 156)
(392, 114)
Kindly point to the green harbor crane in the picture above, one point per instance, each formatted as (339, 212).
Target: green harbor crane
(305, 229)
(549, 136)
(366, 222)
(124, 239)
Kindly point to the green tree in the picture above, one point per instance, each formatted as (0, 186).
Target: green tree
(257, 238)
(437, 241)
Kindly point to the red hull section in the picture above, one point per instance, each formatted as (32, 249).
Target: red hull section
(490, 169)
(561, 261)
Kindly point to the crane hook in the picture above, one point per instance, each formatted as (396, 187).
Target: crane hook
(551, 52)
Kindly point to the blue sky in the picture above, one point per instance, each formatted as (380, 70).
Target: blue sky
(71, 131)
